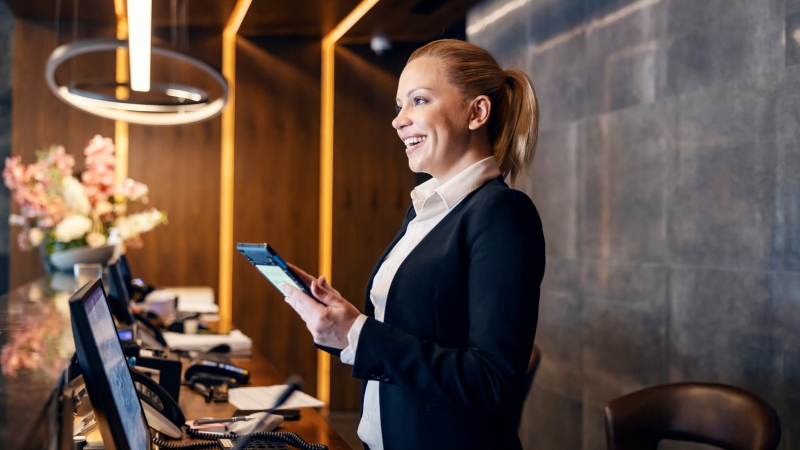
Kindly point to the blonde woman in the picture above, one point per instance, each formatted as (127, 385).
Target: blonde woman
(452, 305)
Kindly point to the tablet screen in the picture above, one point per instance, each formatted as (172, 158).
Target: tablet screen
(277, 276)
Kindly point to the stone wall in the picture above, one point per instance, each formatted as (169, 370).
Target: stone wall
(668, 180)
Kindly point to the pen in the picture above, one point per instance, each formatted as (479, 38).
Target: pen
(225, 420)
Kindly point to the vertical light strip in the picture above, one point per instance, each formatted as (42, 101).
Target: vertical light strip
(122, 93)
(225, 294)
(140, 15)
(326, 173)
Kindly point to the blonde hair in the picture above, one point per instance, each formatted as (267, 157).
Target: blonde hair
(514, 118)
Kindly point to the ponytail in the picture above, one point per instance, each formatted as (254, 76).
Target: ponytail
(516, 124)
(514, 120)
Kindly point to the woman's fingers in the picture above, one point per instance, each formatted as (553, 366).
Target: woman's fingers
(305, 306)
(302, 274)
(323, 295)
(324, 283)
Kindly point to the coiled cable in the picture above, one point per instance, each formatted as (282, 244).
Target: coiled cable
(214, 438)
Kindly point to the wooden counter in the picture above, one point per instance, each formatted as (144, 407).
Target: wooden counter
(312, 426)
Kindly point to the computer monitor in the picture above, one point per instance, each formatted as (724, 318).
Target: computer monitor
(116, 405)
(119, 300)
(125, 269)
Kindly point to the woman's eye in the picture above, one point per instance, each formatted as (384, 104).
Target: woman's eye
(419, 100)
(397, 109)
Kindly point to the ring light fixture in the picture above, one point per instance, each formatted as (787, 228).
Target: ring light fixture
(194, 106)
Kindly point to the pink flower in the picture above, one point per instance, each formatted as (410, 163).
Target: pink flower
(99, 177)
(134, 191)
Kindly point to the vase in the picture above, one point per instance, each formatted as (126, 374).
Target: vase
(63, 261)
(49, 268)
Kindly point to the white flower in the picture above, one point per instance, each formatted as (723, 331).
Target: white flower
(73, 227)
(36, 236)
(16, 219)
(75, 196)
(95, 239)
(103, 207)
(136, 224)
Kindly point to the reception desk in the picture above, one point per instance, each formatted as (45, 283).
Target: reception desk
(36, 346)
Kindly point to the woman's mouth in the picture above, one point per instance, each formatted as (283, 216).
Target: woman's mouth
(413, 142)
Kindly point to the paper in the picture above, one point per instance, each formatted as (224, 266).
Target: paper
(236, 340)
(264, 397)
(195, 299)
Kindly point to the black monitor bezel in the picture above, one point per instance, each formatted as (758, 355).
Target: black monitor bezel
(119, 300)
(125, 269)
(91, 364)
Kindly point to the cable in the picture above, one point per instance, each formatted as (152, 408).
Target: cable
(195, 446)
(214, 438)
(283, 436)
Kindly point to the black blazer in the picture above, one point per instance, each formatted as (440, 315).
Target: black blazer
(459, 326)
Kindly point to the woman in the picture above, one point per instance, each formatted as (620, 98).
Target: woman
(452, 305)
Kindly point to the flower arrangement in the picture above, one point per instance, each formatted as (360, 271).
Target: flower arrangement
(61, 212)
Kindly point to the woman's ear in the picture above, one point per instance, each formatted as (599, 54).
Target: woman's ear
(479, 111)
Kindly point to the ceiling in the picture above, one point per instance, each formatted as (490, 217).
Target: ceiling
(398, 20)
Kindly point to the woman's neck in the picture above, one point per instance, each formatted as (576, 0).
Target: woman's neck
(473, 154)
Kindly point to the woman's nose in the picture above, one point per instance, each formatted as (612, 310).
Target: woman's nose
(401, 120)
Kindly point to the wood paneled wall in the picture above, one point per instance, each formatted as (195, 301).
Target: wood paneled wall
(277, 189)
(39, 119)
(372, 183)
(276, 173)
(180, 165)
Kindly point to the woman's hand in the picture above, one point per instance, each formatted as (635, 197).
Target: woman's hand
(329, 322)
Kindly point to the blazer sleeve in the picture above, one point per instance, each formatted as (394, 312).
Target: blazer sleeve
(506, 266)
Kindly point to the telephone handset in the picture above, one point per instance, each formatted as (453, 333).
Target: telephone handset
(141, 320)
(160, 409)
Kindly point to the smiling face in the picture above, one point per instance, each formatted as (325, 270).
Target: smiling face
(433, 119)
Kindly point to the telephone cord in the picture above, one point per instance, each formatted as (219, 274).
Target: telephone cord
(164, 445)
(282, 436)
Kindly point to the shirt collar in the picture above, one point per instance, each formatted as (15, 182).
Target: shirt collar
(456, 188)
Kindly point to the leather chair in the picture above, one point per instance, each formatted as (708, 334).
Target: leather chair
(715, 414)
(533, 364)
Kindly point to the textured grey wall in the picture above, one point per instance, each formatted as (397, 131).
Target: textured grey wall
(6, 58)
(668, 180)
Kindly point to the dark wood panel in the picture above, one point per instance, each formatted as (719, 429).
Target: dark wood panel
(180, 165)
(308, 18)
(211, 14)
(277, 189)
(399, 21)
(372, 183)
(39, 119)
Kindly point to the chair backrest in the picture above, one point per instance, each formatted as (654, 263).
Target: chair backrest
(715, 414)
(533, 364)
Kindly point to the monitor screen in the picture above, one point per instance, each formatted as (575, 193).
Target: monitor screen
(108, 379)
(119, 300)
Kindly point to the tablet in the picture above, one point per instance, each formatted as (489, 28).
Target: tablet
(273, 267)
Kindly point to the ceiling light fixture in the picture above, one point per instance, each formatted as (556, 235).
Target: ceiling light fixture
(139, 43)
(194, 106)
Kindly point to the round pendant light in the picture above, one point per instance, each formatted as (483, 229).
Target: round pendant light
(193, 104)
